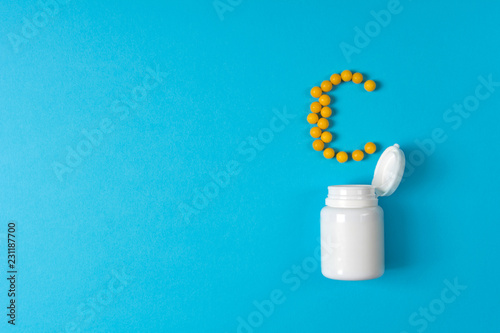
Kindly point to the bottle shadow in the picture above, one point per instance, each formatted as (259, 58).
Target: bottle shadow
(396, 237)
(400, 247)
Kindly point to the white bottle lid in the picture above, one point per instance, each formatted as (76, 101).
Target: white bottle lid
(389, 171)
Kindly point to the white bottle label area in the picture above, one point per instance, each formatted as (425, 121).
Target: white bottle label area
(352, 243)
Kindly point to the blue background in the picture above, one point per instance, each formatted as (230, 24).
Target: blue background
(121, 209)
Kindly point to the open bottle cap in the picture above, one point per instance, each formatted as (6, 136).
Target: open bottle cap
(389, 171)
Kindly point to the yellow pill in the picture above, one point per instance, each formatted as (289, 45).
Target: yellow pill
(326, 86)
(341, 156)
(323, 123)
(370, 148)
(357, 78)
(326, 137)
(329, 153)
(315, 107)
(346, 76)
(335, 79)
(326, 112)
(316, 92)
(318, 145)
(312, 118)
(324, 100)
(370, 85)
(315, 132)
(357, 155)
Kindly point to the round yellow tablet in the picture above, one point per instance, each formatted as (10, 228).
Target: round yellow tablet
(316, 92)
(357, 78)
(312, 118)
(335, 79)
(326, 86)
(370, 85)
(346, 76)
(324, 100)
(315, 132)
(329, 153)
(370, 148)
(323, 123)
(326, 112)
(357, 155)
(326, 137)
(315, 107)
(318, 145)
(341, 156)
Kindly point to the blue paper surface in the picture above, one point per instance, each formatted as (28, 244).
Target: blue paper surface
(156, 161)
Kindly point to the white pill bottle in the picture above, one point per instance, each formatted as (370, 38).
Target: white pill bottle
(352, 223)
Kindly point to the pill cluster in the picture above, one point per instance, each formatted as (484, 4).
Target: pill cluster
(320, 111)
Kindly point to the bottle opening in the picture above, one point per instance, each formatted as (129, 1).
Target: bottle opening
(351, 196)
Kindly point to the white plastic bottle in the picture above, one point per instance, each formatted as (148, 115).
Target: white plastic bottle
(352, 223)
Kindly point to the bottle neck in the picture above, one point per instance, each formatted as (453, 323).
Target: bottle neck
(351, 196)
